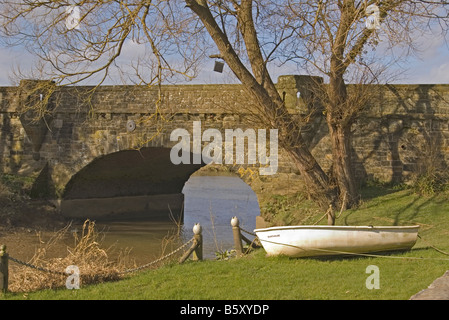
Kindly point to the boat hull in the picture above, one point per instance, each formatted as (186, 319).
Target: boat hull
(309, 241)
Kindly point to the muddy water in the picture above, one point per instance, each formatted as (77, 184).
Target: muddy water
(209, 200)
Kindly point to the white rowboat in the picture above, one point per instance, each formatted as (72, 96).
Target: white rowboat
(309, 241)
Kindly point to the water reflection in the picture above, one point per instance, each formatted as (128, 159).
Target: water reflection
(212, 202)
(209, 200)
(143, 240)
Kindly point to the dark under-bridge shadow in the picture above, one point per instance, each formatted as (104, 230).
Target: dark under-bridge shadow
(129, 184)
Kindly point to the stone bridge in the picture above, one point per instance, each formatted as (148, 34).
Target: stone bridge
(106, 152)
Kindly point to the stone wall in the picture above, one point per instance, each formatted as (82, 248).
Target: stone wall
(404, 130)
(401, 126)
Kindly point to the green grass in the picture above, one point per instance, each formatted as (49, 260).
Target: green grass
(280, 278)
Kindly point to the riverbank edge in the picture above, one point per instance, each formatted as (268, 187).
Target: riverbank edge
(434, 225)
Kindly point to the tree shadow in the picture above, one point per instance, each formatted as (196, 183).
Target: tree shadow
(6, 139)
(406, 131)
(369, 192)
(411, 214)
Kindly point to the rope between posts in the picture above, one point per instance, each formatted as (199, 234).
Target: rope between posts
(255, 243)
(158, 260)
(26, 264)
(248, 232)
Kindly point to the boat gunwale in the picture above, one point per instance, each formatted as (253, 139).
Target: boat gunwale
(345, 228)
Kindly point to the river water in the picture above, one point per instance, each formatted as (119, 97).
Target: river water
(211, 201)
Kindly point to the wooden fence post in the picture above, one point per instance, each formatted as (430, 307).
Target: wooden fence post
(198, 238)
(237, 236)
(197, 246)
(3, 269)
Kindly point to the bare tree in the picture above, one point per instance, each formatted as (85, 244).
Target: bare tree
(89, 42)
(91, 48)
(338, 39)
(329, 37)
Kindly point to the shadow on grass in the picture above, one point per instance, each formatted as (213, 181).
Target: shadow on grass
(403, 207)
(392, 254)
(371, 192)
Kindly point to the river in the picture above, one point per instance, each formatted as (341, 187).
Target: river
(209, 200)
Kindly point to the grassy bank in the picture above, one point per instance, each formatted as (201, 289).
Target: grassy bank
(258, 277)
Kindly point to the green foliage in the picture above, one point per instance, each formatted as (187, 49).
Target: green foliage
(18, 185)
(429, 183)
(224, 255)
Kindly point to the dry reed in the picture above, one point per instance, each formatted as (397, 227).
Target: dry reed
(87, 254)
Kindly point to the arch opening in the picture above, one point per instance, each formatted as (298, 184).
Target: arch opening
(129, 184)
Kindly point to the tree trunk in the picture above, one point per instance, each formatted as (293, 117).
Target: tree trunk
(264, 93)
(340, 115)
(319, 188)
(343, 170)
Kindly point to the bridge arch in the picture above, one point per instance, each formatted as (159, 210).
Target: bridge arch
(128, 184)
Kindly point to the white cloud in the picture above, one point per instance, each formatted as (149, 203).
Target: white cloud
(433, 68)
(441, 73)
(438, 74)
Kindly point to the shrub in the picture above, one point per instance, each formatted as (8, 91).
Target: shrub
(430, 183)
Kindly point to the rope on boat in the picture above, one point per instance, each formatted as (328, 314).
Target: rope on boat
(433, 247)
(364, 254)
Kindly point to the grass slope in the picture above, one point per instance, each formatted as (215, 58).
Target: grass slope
(280, 278)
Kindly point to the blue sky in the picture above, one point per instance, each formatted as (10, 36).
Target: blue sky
(431, 66)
